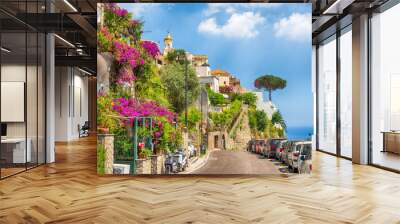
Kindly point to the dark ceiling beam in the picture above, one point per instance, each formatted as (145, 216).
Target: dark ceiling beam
(49, 22)
(78, 61)
(86, 27)
(89, 2)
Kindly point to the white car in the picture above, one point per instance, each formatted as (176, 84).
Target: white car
(295, 159)
(305, 160)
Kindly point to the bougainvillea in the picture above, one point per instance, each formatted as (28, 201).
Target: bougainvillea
(125, 53)
(114, 8)
(226, 89)
(119, 35)
(151, 48)
(132, 108)
(104, 40)
(125, 76)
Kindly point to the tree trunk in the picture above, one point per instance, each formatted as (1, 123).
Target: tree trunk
(270, 95)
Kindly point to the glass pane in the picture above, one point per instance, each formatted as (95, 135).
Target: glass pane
(346, 93)
(41, 99)
(386, 89)
(31, 98)
(13, 86)
(327, 95)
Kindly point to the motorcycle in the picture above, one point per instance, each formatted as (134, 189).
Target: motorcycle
(171, 166)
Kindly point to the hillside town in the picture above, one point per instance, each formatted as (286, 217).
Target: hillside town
(171, 111)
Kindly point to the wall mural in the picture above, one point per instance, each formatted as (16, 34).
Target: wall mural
(204, 89)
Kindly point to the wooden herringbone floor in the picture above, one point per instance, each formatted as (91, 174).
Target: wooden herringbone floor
(69, 191)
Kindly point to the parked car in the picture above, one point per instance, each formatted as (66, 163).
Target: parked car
(250, 145)
(287, 148)
(279, 149)
(171, 165)
(305, 160)
(294, 155)
(271, 147)
(259, 146)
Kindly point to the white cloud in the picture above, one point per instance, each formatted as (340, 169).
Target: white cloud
(231, 8)
(295, 27)
(239, 25)
(138, 9)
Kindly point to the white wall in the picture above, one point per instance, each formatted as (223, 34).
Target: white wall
(202, 70)
(71, 102)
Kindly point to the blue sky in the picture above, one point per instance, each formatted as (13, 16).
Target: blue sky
(247, 40)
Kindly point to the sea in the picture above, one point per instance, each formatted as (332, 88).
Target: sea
(299, 133)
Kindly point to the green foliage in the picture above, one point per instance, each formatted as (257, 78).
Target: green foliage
(145, 153)
(252, 119)
(216, 99)
(123, 145)
(173, 77)
(270, 83)
(176, 55)
(262, 120)
(194, 116)
(123, 27)
(278, 119)
(258, 120)
(171, 137)
(225, 118)
(150, 86)
(105, 112)
(104, 40)
(247, 98)
(101, 158)
(261, 125)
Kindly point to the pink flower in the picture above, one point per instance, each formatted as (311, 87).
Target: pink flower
(126, 76)
(132, 108)
(114, 8)
(151, 48)
(124, 53)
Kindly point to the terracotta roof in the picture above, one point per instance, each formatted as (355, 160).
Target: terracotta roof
(220, 72)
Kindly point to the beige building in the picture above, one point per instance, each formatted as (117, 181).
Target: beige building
(223, 76)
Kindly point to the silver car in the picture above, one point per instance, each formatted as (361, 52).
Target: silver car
(286, 151)
(279, 149)
(295, 157)
(305, 160)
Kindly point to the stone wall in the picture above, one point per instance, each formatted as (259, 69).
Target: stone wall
(157, 164)
(143, 166)
(219, 144)
(152, 165)
(240, 131)
(107, 140)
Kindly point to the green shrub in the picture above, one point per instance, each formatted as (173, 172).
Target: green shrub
(216, 99)
(101, 158)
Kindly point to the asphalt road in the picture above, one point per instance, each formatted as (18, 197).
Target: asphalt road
(243, 162)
